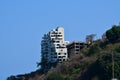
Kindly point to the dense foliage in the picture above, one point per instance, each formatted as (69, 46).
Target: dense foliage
(96, 65)
(113, 34)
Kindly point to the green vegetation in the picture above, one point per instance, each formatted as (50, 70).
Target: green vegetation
(55, 76)
(113, 34)
(93, 49)
(96, 65)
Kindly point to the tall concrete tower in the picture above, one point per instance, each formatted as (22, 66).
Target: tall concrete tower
(53, 46)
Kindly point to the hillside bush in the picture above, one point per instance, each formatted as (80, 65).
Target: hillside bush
(54, 76)
(93, 49)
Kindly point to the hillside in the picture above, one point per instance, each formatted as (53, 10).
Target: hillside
(95, 63)
(92, 63)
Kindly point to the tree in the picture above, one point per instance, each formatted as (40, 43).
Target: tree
(55, 76)
(11, 78)
(90, 38)
(113, 34)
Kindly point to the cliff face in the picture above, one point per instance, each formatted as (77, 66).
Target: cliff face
(93, 63)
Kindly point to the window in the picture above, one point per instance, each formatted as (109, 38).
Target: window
(77, 43)
(77, 46)
(58, 44)
(59, 60)
(59, 53)
(63, 56)
(52, 35)
(59, 35)
(60, 56)
(57, 41)
(59, 32)
(55, 56)
(64, 53)
(57, 47)
(53, 32)
(53, 39)
(52, 49)
(46, 52)
(63, 59)
(77, 50)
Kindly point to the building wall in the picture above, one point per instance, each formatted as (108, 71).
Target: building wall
(53, 46)
(75, 47)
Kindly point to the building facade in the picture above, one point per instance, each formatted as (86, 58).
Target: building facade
(53, 46)
(75, 47)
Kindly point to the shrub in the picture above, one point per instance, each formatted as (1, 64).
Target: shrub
(54, 76)
(93, 49)
(117, 49)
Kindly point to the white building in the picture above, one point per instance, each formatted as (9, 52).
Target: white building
(53, 46)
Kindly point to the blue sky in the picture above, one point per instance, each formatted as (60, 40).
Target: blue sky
(23, 23)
